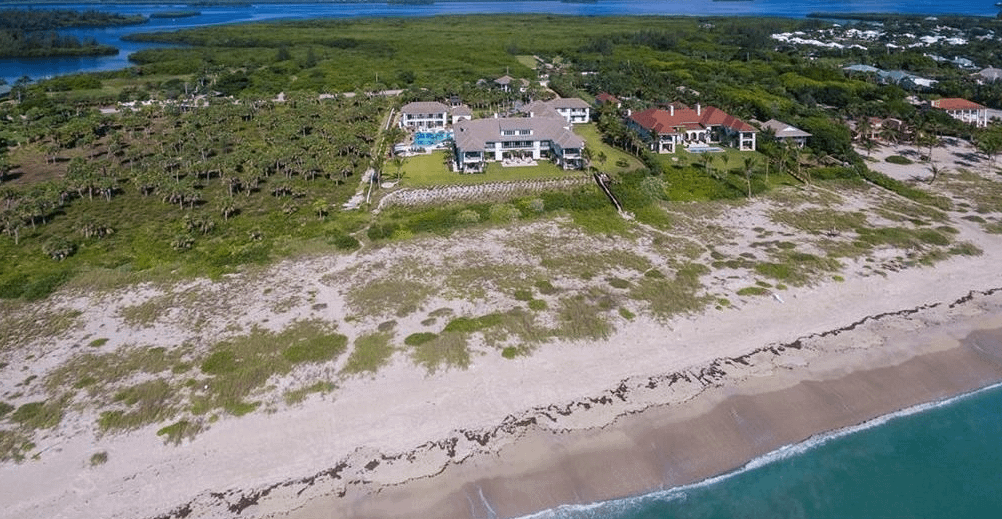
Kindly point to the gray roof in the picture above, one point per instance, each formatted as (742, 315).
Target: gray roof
(504, 80)
(861, 68)
(991, 74)
(424, 107)
(783, 130)
(540, 109)
(568, 102)
(475, 134)
(462, 110)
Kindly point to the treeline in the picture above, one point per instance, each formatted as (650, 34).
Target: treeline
(29, 20)
(17, 43)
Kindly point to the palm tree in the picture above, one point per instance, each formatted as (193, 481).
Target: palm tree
(321, 206)
(936, 171)
(749, 165)
(705, 159)
(227, 207)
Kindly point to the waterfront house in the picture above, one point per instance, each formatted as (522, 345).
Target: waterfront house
(784, 132)
(963, 110)
(424, 115)
(572, 109)
(479, 141)
(666, 129)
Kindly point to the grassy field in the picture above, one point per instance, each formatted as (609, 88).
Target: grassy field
(430, 170)
(614, 157)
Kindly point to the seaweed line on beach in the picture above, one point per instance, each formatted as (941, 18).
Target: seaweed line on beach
(514, 426)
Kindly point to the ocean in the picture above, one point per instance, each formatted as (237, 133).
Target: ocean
(939, 460)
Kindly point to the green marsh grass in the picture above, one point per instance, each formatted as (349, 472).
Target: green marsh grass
(238, 367)
(371, 352)
(298, 395)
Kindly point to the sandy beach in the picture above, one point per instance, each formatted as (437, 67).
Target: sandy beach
(660, 401)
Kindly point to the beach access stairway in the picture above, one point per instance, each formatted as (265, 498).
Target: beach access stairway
(603, 183)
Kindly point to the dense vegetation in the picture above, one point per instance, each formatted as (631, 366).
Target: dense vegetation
(49, 19)
(30, 33)
(198, 183)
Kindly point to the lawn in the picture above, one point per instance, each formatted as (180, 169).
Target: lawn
(430, 170)
(593, 142)
(735, 161)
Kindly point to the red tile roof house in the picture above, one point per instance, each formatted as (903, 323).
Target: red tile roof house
(963, 110)
(681, 125)
(605, 97)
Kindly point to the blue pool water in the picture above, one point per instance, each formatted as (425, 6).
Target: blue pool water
(704, 149)
(425, 139)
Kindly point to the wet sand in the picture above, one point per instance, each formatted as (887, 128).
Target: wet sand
(668, 446)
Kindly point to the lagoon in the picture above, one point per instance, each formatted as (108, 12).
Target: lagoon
(37, 68)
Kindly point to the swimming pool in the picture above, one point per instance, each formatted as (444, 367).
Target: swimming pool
(704, 149)
(424, 139)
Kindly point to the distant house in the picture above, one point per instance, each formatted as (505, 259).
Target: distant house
(897, 77)
(889, 129)
(905, 80)
(989, 75)
(863, 69)
(510, 84)
(572, 109)
(479, 141)
(664, 129)
(460, 113)
(424, 114)
(606, 98)
(963, 110)
(787, 133)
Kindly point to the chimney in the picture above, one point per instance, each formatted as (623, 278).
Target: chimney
(699, 110)
(671, 108)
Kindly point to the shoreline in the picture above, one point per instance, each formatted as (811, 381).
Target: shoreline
(657, 448)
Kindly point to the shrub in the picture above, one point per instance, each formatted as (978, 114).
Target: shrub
(316, 349)
(59, 248)
(545, 287)
(467, 216)
(417, 339)
(98, 458)
(178, 431)
(523, 295)
(618, 283)
(753, 291)
(505, 213)
(345, 242)
(898, 159)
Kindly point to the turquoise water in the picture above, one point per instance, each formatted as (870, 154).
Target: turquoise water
(935, 461)
(431, 138)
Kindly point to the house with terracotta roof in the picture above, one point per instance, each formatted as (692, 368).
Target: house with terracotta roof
(679, 125)
(607, 98)
(963, 110)
(479, 141)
